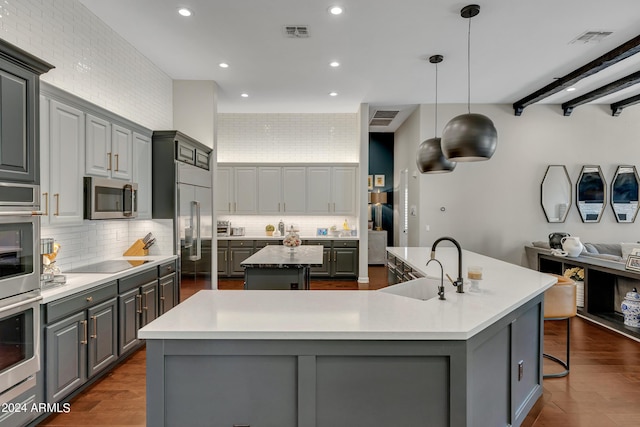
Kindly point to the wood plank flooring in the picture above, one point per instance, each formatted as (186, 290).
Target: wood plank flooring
(602, 390)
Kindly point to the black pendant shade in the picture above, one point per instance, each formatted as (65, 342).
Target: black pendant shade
(469, 138)
(430, 158)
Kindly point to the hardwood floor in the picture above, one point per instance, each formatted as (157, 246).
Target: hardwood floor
(602, 390)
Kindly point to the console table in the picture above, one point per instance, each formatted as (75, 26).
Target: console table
(605, 285)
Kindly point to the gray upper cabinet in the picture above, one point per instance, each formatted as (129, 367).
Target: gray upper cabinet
(19, 112)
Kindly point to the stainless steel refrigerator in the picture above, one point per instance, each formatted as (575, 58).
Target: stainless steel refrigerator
(183, 192)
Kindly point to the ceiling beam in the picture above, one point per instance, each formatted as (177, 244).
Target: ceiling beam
(610, 58)
(605, 90)
(617, 107)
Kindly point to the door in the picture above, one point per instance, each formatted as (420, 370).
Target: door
(103, 336)
(66, 364)
(345, 262)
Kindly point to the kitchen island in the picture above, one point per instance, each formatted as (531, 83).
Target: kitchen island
(281, 267)
(353, 358)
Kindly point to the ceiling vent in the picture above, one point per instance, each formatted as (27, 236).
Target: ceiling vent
(591, 37)
(296, 31)
(383, 117)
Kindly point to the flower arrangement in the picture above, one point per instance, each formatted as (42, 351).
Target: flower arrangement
(575, 273)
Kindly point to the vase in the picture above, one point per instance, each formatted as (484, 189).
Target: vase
(579, 293)
(292, 239)
(631, 309)
(572, 246)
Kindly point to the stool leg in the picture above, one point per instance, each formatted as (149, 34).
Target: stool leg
(559, 361)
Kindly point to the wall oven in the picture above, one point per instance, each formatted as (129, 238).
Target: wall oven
(106, 198)
(19, 288)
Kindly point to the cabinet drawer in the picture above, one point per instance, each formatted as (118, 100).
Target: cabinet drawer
(137, 279)
(202, 159)
(166, 268)
(74, 303)
(345, 244)
(325, 243)
(241, 243)
(262, 243)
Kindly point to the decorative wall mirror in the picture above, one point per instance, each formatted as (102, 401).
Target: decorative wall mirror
(624, 193)
(555, 193)
(591, 195)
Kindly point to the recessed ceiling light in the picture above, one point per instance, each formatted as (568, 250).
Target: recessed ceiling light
(336, 10)
(244, 95)
(334, 64)
(571, 89)
(223, 65)
(333, 93)
(184, 11)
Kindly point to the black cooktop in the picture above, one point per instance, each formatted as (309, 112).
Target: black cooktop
(105, 267)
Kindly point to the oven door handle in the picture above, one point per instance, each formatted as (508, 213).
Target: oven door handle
(21, 213)
(20, 304)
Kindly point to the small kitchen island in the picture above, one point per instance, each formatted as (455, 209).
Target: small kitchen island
(353, 358)
(279, 267)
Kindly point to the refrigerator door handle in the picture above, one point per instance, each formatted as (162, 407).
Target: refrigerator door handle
(195, 214)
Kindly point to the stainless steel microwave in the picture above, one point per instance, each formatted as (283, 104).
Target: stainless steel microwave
(110, 198)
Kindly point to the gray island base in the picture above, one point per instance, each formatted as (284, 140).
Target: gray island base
(281, 268)
(351, 358)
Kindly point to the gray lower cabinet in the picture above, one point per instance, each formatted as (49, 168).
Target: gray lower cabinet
(238, 252)
(26, 400)
(223, 258)
(138, 305)
(79, 346)
(345, 262)
(167, 288)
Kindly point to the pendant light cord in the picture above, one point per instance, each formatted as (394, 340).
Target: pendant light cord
(469, 68)
(436, 113)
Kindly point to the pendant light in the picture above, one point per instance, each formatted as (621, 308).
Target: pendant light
(430, 158)
(469, 137)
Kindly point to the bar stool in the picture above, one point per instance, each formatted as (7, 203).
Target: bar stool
(560, 304)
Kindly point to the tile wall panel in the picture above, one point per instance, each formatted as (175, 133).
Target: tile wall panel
(308, 225)
(91, 60)
(313, 138)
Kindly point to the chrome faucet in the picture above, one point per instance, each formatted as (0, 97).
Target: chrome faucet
(458, 282)
(441, 287)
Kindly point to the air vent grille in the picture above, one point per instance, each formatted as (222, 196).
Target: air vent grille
(296, 31)
(591, 37)
(380, 122)
(385, 114)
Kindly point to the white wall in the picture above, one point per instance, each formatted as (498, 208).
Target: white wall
(91, 60)
(194, 108)
(493, 207)
(313, 138)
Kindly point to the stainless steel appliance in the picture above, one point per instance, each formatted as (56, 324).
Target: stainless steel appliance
(183, 192)
(224, 228)
(19, 288)
(106, 198)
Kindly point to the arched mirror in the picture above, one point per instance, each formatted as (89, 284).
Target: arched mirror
(592, 194)
(555, 193)
(624, 193)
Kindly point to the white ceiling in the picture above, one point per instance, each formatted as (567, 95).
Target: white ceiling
(517, 47)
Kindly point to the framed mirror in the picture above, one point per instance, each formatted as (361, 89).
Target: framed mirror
(591, 194)
(556, 193)
(624, 193)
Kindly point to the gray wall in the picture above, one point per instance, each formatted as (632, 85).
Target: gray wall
(493, 207)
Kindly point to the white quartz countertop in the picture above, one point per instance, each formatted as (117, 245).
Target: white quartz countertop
(361, 315)
(77, 282)
(302, 236)
(282, 256)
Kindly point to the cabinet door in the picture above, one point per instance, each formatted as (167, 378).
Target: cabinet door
(66, 157)
(345, 262)
(129, 309)
(66, 361)
(103, 336)
(245, 190)
(224, 190)
(122, 152)
(270, 190)
(325, 269)
(237, 256)
(167, 293)
(98, 157)
(18, 110)
(142, 173)
(149, 294)
(294, 190)
(343, 189)
(223, 262)
(319, 190)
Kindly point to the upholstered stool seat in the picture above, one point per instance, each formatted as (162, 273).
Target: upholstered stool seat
(560, 304)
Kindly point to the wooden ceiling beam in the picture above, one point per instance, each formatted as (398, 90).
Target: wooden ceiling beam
(617, 107)
(610, 58)
(605, 90)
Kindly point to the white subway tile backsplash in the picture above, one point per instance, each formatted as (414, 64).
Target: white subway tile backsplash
(308, 225)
